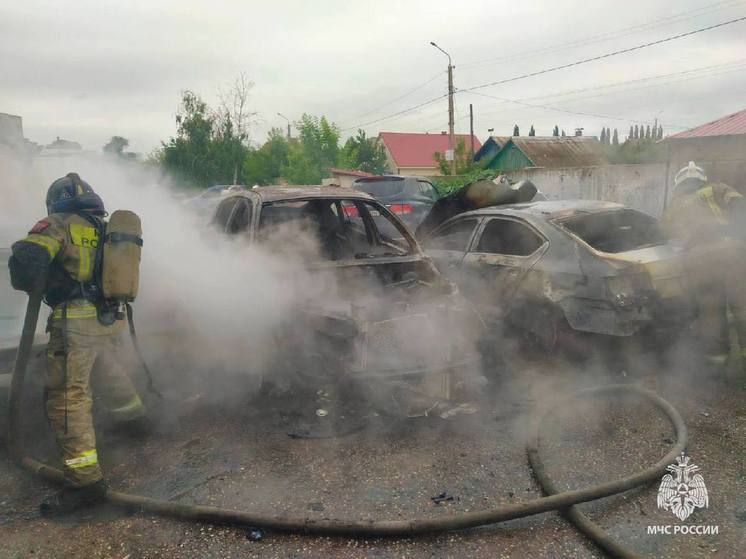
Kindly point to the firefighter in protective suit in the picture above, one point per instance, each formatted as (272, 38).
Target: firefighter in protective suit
(710, 219)
(59, 257)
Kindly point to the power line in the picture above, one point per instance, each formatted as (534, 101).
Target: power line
(407, 94)
(548, 70)
(668, 20)
(723, 68)
(399, 113)
(607, 55)
(568, 111)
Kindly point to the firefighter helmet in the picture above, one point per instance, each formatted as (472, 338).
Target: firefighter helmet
(70, 194)
(691, 171)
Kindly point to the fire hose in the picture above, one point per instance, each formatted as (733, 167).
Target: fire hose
(554, 501)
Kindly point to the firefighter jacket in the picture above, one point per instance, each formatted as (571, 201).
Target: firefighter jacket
(59, 253)
(711, 212)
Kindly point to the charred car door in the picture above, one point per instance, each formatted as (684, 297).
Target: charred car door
(505, 250)
(449, 244)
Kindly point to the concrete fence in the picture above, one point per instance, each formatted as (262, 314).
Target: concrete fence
(642, 187)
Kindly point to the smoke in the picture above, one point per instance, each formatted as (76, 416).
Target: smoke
(217, 315)
(206, 303)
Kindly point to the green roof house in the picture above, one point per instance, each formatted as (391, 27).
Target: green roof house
(575, 151)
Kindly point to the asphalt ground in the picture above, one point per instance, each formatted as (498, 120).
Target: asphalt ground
(246, 455)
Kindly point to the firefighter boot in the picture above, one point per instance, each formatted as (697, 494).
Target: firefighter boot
(71, 499)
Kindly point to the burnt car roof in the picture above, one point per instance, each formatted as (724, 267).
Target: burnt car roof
(548, 209)
(277, 193)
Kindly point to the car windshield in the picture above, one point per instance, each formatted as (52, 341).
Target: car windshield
(342, 229)
(381, 188)
(616, 231)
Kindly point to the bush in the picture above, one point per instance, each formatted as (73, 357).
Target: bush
(446, 185)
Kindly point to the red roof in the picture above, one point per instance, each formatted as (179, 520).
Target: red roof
(728, 125)
(416, 150)
(350, 172)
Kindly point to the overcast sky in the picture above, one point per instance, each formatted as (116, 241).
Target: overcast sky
(87, 70)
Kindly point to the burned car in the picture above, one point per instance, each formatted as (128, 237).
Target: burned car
(550, 267)
(393, 317)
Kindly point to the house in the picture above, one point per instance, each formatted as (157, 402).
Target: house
(412, 153)
(344, 177)
(490, 148)
(11, 134)
(718, 146)
(548, 152)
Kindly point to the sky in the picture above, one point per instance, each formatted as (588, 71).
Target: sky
(88, 70)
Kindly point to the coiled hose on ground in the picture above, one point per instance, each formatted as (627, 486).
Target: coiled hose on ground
(563, 501)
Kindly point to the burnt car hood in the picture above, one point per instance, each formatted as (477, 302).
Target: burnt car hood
(473, 196)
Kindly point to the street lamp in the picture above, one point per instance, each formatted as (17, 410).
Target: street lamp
(451, 145)
(286, 118)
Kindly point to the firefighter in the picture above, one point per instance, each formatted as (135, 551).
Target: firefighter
(710, 219)
(60, 258)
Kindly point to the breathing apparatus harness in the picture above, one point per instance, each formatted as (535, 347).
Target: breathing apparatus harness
(112, 303)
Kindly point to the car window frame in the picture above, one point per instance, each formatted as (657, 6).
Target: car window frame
(483, 225)
(478, 223)
(415, 249)
(432, 187)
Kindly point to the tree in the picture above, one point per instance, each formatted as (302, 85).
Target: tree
(603, 136)
(563, 133)
(263, 166)
(116, 146)
(363, 153)
(516, 131)
(637, 133)
(463, 161)
(555, 132)
(631, 134)
(207, 147)
(235, 116)
(647, 133)
(317, 149)
(531, 131)
(660, 131)
(615, 138)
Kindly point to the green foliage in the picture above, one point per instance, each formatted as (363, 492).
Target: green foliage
(532, 132)
(516, 131)
(317, 149)
(555, 132)
(263, 166)
(464, 162)
(363, 153)
(446, 185)
(207, 148)
(301, 168)
(116, 146)
(636, 151)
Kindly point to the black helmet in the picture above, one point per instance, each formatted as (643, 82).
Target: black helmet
(71, 194)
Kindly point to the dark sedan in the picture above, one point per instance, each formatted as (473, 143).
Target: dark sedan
(409, 198)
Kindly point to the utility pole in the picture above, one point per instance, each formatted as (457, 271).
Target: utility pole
(286, 118)
(471, 129)
(451, 91)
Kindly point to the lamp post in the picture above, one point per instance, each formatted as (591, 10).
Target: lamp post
(286, 118)
(451, 145)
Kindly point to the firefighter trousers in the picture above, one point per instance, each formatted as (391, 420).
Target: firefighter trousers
(717, 271)
(86, 348)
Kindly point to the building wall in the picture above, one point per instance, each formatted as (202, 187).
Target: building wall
(11, 131)
(722, 157)
(340, 180)
(419, 171)
(642, 187)
(510, 159)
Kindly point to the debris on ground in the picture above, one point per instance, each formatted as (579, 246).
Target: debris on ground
(443, 498)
